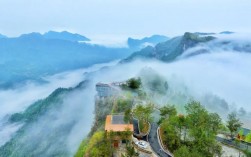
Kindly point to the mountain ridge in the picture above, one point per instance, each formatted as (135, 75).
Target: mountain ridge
(141, 43)
(31, 55)
(171, 49)
(37, 112)
(64, 35)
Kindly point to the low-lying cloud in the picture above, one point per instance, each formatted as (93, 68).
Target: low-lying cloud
(18, 99)
(220, 80)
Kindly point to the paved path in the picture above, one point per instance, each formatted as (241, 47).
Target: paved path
(153, 140)
(241, 145)
(136, 131)
(135, 126)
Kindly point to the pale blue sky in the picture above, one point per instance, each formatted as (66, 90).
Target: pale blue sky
(124, 17)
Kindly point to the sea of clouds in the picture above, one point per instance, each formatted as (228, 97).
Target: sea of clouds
(224, 74)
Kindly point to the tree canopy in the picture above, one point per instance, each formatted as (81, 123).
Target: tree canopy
(134, 83)
(248, 137)
(99, 145)
(143, 113)
(233, 123)
(193, 133)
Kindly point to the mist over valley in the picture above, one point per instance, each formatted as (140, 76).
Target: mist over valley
(49, 114)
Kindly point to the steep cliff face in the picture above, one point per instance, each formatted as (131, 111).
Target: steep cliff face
(171, 49)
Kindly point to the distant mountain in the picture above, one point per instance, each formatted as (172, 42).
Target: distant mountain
(65, 36)
(31, 56)
(202, 33)
(33, 35)
(171, 49)
(2, 36)
(226, 32)
(141, 43)
(55, 35)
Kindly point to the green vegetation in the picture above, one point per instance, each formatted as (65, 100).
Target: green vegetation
(237, 143)
(167, 111)
(132, 88)
(122, 104)
(133, 83)
(248, 137)
(144, 127)
(34, 111)
(103, 145)
(184, 151)
(143, 114)
(241, 132)
(130, 151)
(23, 144)
(128, 116)
(247, 153)
(197, 38)
(82, 148)
(98, 145)
(153, 82)
(233, 123)
(104, 107)
(192, 134)
(171, 49)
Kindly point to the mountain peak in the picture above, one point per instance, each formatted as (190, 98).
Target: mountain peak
(33, 35)
(190, 35)
(171, 49)
(197, 37)
(64, 35)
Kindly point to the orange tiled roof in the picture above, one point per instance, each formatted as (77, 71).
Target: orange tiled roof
(116, 127)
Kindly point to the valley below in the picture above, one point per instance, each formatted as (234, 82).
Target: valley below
(52, 117)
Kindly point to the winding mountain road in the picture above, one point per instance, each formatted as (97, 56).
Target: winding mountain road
(153, 140)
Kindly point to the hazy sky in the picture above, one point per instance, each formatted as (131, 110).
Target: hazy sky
(124, 17)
